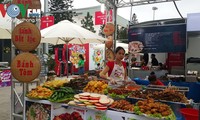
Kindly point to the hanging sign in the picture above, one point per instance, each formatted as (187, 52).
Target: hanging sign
(109, 42)
(110, 55)
(109, 29)
(25, 67)
(46, 21)
(26, 36)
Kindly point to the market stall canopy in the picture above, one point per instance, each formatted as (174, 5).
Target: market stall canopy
(68, 32)
(5, 33)
(5, 27)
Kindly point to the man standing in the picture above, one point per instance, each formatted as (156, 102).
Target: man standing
(154, 61)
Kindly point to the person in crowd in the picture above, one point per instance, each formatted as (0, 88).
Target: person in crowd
(133, 61)
(116, 69)
(98, 66)
(81, 63)
(126, 59)
(145, 59)
(154, 61)
(161, 66)
(153, 79)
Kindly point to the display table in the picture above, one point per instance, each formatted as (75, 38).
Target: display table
(49, 111)
(133, 73)
(194, 88)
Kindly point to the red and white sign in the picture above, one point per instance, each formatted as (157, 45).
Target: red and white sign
(100, 18)
(46, 21)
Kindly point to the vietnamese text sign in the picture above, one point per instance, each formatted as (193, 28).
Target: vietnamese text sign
(25, 67)
(26, 36)
(100, 18)
(46, 21)
(170, 38)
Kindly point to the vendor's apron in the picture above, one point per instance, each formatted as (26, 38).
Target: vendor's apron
(117, 74)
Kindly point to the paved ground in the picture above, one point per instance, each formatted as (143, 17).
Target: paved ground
(5, 101)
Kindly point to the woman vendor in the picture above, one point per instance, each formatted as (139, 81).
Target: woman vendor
(116, 69)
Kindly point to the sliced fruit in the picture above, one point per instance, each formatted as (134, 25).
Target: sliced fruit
(95, 95)
(84, 94)
(82, 100)
(99, 105)
(94, 101)
(88, 103)
(72, 103)
(104, 101)
(76, 96)
(91, 106)
(83, 97)
(101, 108)
(111, 101)
(81, 104)
(94, 98)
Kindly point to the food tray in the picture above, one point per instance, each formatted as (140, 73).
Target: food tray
(119, 110)
(163, 101)
(157, 87)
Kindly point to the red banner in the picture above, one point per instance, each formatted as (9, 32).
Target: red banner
(46, 21)
(100, 18)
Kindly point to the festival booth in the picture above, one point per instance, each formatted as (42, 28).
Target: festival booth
(170, 40)
(84, 97)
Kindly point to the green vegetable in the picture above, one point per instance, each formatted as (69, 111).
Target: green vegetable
(32, 112)
(157, 115)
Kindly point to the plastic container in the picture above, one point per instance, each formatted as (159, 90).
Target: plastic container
(190, 113)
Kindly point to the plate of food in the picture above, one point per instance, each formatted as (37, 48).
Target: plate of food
(135, 46)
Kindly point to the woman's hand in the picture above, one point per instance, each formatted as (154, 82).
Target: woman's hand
(112, 81)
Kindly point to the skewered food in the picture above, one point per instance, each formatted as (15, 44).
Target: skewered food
(122, 105)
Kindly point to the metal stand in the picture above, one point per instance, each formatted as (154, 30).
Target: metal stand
(17, 100)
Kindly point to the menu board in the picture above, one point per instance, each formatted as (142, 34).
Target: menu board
(157, 39)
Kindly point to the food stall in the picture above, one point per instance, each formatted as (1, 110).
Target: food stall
(89, 98)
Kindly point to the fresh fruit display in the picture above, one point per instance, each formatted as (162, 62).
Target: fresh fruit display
(96, 87)
(77, 84)
(40, 93)
(55, 83)
(91, 100)
(153, 109)
(67, 116)
(64, 94)
(165, 95)
(122, 105)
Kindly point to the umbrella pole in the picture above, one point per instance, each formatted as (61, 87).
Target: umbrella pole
(67, 59)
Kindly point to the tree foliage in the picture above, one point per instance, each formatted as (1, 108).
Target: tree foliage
(122, 32)
(101, 30)
(87, 23)
(61, 10)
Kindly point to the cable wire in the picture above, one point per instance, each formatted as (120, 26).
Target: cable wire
(177, 9)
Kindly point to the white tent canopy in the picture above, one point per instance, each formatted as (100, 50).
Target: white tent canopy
(5, 27)
(68, 32)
